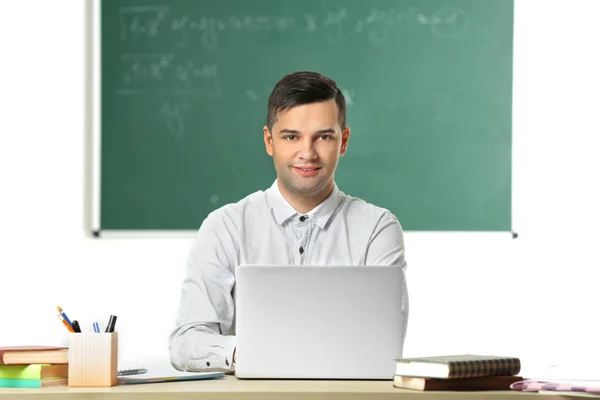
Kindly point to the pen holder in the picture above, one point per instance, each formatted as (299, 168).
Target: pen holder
(93, 359)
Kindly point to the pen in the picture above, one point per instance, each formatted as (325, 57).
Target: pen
(132, 371)
(110, 327)
(96, 327)
(60, 310)
(75, 326)
(69, 327)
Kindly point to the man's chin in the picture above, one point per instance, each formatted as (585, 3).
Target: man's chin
(307, 188)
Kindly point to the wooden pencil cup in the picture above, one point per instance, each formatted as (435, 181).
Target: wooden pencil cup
(93, 359)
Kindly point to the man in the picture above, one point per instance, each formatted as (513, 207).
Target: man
(302, 219)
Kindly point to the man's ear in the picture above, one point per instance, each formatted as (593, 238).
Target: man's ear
(268, 140)
(345, 139)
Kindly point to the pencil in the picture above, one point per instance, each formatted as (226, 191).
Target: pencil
(69, 327)
(64, 314)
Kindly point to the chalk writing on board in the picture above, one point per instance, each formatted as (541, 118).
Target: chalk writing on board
(379, 25)
(334, 25)
(449, 21)
(141, 21)
(143, 72)
(173, 116)
(205, 28)
(253, 95)
(175, 75)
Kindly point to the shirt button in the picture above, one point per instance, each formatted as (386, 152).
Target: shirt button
(303, 218)
(301, 250)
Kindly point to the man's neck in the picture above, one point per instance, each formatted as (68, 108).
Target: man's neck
(304, 204)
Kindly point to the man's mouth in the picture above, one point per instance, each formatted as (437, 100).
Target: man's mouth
(310, 171)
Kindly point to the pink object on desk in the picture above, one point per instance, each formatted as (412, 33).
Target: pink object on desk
(530, 385)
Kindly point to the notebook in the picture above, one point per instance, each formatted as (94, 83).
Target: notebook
(32, 383)
(34, 371)
(167, 374)
(559, 385)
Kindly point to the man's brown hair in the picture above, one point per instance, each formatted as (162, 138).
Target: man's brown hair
(304, 87)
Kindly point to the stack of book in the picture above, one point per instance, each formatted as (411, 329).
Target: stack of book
(457, 372)
(33, 366)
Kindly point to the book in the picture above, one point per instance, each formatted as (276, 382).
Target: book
(34, 371)
(480, 383)
(34, 355)
(32, 383)
(458, 366)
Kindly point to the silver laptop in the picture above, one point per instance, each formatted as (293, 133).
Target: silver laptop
(318, 322)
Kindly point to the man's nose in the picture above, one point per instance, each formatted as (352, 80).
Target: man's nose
(307, 151)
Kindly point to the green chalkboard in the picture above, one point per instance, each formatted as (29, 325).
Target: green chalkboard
(184, 88)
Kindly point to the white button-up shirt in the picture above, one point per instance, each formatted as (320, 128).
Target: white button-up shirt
(264, 228)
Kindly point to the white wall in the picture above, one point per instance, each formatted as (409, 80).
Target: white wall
(533, 297)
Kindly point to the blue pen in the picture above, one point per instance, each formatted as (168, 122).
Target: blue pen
(60, 310)
(96, 327)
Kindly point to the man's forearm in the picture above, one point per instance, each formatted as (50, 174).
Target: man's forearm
(200, 349)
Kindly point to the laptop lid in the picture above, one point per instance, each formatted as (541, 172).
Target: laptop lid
(318, 322)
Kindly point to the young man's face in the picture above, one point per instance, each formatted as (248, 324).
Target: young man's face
(306, 143)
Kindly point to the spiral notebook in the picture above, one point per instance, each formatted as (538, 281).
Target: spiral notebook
(162, 373)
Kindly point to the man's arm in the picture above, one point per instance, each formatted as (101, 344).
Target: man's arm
(199, 341)
(386, 247)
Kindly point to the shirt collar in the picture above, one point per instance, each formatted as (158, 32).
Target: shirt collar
(320, 215)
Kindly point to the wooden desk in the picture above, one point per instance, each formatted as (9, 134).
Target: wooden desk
(230, 388)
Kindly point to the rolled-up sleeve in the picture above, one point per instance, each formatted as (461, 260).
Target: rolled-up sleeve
(386, 247)
(202, 339)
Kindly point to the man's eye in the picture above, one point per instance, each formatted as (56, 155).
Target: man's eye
(289, 137)
(325, 137)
